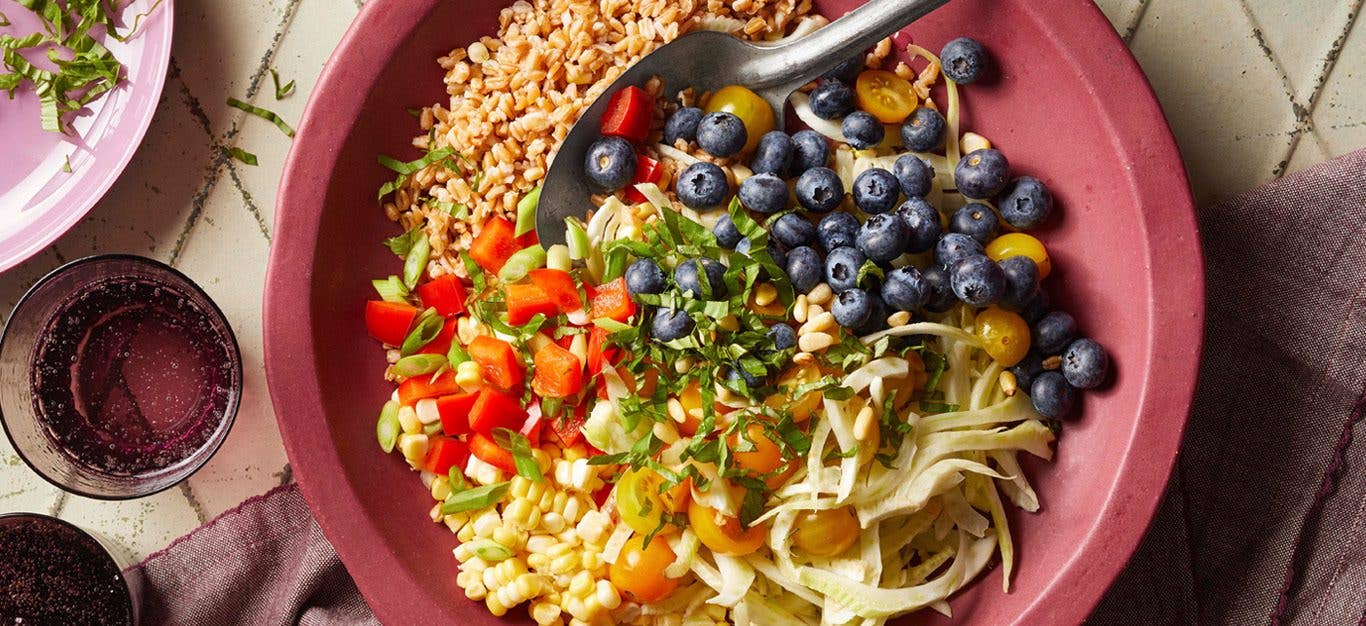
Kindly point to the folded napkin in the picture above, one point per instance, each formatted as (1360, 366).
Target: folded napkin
(1264, 519)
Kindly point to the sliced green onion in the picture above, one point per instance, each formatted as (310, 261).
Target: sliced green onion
(281, 90)
(475, 273)
(401, 244)
(264, 114)
(388, 428)
(419, 364)
(242, 155)
(475, 498)
(520, 447)
(526, 211)
(456, 476)
(415, 263)
(425, 329)
(457, 355)
(521, 262)
(391, 289)
(490, 550)
(557, 257)
(576, 235)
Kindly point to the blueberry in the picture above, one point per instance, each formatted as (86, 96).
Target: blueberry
(702, 185)
(883, 237)
(793, 230)
(644, 276)
(841, 268)
(862, 130)
(964, 60)
(727, 235)
(610, 163)
(876, 191)
(847, 70)
(764, 193)
(905, 289)
(922, 224)
(682, 125)
(981, 174)
(877, 320)
(1085, 364)
(924, 130)
(852, 308)
(686, 275)
(1022, 281)
(774, 153)
(737, 373)
(914, 175)
(1028, 368)
(721, 134)
(974, 220)
(939, 290)
(782, 336)
(837, 230)
(809, 149)
(804, 268)
(1053, 332)
(820, 190)
(978, 280)
(1035, 307)
(1051, 395)
(832, 100)
(1025, 202)
(670, 324)
(955, 247)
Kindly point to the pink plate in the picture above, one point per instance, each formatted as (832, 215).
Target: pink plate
(1071, 107)
(38, 199)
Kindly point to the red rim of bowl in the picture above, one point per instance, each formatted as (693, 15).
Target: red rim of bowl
(1176, 327)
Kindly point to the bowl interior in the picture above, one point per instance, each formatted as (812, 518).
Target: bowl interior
(1067, 104)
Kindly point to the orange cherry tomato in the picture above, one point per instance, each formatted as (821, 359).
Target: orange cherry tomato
(639, 569)
(765, 456)
(724, 535)
(887, 96)
(826, 533)
(1020, 244)
(639, 502)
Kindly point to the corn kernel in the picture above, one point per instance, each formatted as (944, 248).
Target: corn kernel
(498, 609)
(485, 523)
(476, 591)
(540, 544)
(456, 521)
(559, 550)
(573, 606)
(435, 513)
(414, 447)
(441, 487)
(547, 501)
(607, 595)
(466, 532)
(593, 527)
(569, 536)
(557, 257)
(490, 578)
(575, 452)
(426, 411)
(542, 460)
(468, 376)
(519, 486)
(571, 510)
(545, 613)
(537, 561)
(508, 537)
(552, 522)
(564, 472)
(582, 584)
(564, 564)
(591, 560)
(463, 553)
(534, 491)
(408, 421)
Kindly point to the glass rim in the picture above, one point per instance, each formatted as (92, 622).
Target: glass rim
(234, 355)
(127, 584)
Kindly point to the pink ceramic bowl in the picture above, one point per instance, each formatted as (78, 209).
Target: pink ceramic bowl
(1071, 107)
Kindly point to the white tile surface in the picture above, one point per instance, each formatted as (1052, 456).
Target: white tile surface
(1252, 87)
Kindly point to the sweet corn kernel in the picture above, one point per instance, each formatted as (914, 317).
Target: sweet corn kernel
(569, 536)
(542, 460)
(408, 421)
(498, 609)
(490, 578)
(508, 537)
(535, 490)
(564, 564)
(435, 513)
(518, 487)
(485, 523)
(520, 513)
(593, 527)
(575, 452)
(468, 375)
(545, 613)
(563, 472)
(547, 501)
(456, 521)
(426, 411)
(476, 591)
(413, 447)
(552, 522)
(571, 509)
(441, 487)
(581, 585)
(557, 257)
(573, 606)
(465, 533)
(608, 596)
(537, 561)
(540, 544)
(591, 560)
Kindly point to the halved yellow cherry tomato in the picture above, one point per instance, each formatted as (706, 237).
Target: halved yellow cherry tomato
(826, 533)
(724, 535)
(795, 377)
(754, 111)
(1020, 244)
(765, 457)
(639, 502)
(639, 569)
(887, 96)
(1005, 335)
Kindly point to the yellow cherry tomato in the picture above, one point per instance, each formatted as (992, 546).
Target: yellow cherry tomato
(639, 569)
(724, 535)
(1004, 334)
(887, 96)
(764, 457)
(639, 502)
(826, 533)
(754, 111)
(795, 377)
(1020, 244)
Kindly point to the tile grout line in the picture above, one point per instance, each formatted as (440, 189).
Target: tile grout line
(1296, 108)
(246, 198)
(1306, 123)
(1135, 20)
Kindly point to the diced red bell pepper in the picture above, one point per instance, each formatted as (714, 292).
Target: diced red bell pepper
(559, 374)
(599, 353)
(446, 294)
(443, 453)
(494, 245)
(612, 300)
(531, 429)
(628, 114)
(488, 451)
(389, 321)
(442, 343)
(560, 286)
(498, 361)
(419, 387)
(495, 409)
(455, 412)
(567, 430)
(528, 239)
(526, 300)
(648, 170)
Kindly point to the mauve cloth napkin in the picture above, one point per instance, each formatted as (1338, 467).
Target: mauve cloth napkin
(1264, 518)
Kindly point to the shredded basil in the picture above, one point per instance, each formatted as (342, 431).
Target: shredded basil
(269, 116)
(520, 447)
(475, 273)
(401, 244)
(281, 91)
(407, 169)
(241, 155)
(474, 498)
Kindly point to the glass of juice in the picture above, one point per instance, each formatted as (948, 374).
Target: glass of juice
(56, 573)
(119, 377)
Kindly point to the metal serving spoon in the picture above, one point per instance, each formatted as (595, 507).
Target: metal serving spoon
(707, 61)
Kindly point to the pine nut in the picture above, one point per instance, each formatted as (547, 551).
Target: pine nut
(819, 323)
(973, 142)
(802, 358)
(820, 294)
(1009, 384)
(900, 318)
(863, 424)
(799, 309)
(815, 342)
(1052, 362)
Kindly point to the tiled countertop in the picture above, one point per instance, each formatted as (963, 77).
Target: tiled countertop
(1253, 89)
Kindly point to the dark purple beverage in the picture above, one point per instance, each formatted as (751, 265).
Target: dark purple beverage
(130, 376)
(53, 574)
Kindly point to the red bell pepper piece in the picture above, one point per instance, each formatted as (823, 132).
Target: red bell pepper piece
(443, 453)
(445, 294)
(599, 353)
(560, 286)
(612, 300)
(531, 429)
(568, 430)
(528, 239)
(648, 170)
(442, 343)
(455, 412)
(488, 451)
(419, 387)
(495, 409)
(389, 321)
(494, 245)
(628, 114)
(559, 374)
(498, 361)
(526, 300)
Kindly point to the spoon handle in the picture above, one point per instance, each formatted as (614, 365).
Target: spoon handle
(796, 63)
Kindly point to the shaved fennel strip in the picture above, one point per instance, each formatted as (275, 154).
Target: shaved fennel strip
(1017, 488)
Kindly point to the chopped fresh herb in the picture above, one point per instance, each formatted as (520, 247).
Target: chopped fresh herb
(928, 406)
(935, 365)
(520, 447)
(475, 273)
(401, 244)
(66, 164)
(281, 91)
(407, 169)
(869, 268)
(241, 155)
(264, 114)
(474, 498)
